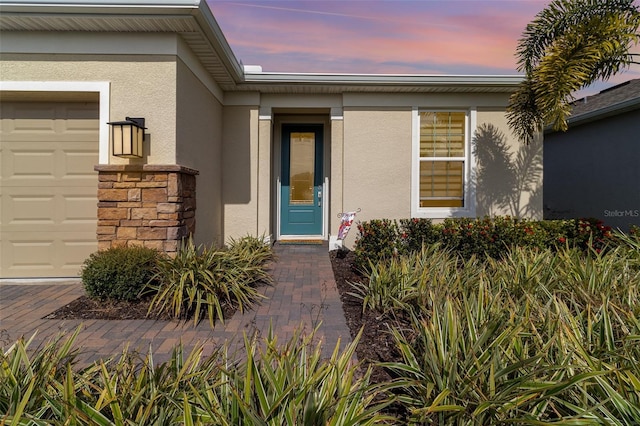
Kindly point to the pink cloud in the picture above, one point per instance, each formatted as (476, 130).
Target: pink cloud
(377, 37)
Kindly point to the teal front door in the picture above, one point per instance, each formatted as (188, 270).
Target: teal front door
(301, 180)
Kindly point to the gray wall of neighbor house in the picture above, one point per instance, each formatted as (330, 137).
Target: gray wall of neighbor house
(593, 170)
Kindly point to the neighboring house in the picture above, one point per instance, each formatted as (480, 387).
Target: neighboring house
(229, 150)
(593, 169)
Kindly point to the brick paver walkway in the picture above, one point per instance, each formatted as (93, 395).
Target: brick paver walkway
(303, 296)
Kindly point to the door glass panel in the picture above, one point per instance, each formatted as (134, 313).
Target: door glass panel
(302, 163)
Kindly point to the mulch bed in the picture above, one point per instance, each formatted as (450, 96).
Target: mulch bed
(376, 343)
(85, 308)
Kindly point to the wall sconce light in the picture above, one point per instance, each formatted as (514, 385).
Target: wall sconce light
(127, 137)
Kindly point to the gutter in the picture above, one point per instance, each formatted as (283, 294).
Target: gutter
(102, 7)
(383, 79)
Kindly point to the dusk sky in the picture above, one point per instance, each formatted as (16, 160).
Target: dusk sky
(380, 37)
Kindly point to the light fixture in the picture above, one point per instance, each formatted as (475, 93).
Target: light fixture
(127, 137)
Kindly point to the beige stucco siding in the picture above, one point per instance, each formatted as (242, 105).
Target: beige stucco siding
(240, 170)
(199, 146)
(508, 173)
(377, 163)
(141, 86)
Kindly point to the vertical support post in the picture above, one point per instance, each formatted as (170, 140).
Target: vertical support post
(265, 147)
(337, 168)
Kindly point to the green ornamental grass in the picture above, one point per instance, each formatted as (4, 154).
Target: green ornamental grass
(540, 336)
(537, 336)
(201, 280)
(277, 384)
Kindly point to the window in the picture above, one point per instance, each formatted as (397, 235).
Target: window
(442, 164)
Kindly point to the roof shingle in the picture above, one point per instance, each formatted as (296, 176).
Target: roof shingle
(606, 98)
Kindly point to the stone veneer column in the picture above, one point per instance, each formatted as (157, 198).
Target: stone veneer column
(145, 205)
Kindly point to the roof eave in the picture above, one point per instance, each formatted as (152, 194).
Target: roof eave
(197, 9)
(599, 114)
(383, 79)
(102, 7)
(214, 33)
(270, 82)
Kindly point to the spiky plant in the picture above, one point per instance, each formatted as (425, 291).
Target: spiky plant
(291, 384)
(535, 337)
(274, 384)
(201, 280)
(30, 378)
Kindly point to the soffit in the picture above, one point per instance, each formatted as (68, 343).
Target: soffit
(333, 88)
(282, 83)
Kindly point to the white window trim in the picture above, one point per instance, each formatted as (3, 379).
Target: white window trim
(469, 209)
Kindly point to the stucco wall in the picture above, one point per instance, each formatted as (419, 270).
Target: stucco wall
(141, 86)
(199, 146)
(508, 173)
(593, 170)
(377, 163)
(239, 170)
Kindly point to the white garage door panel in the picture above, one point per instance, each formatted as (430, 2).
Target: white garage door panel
(48, 187)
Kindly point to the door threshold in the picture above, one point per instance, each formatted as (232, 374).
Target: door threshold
(301, 241)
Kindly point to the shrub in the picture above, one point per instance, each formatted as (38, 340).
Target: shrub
(377, 240)
(200, 279)
(487, 237)
(468, 237)
(592, 234)
(416, 233)
(119, 273)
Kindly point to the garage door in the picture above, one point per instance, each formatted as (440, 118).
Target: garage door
(48, 188)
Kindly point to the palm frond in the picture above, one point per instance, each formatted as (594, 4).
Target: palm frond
(568, 46)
